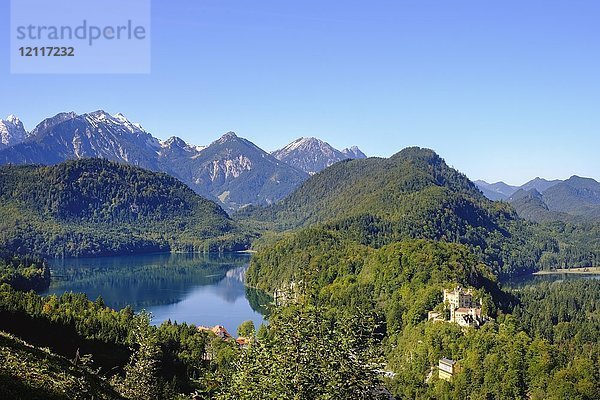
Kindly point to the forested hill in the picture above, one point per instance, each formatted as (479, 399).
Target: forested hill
(385, 187)
(412, 195)
(97, 207)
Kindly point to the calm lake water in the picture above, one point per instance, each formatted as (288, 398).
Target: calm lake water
(194, 288)
(528, 280)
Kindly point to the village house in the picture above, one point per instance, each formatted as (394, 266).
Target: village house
(447, 368)
(242, 342)
(218, 330)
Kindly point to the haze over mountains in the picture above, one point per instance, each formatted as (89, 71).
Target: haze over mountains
(575, 199)
(231, 170)
(503, 191)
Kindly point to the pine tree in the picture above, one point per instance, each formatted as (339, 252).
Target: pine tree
(141, 374)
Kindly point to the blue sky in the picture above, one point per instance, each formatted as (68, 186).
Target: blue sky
(502, 90)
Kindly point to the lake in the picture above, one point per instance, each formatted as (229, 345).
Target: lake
(531, 279)
(194, 288)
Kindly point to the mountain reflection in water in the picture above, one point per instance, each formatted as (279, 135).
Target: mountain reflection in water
(194, 288)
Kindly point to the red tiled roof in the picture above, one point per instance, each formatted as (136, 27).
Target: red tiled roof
(218, 330)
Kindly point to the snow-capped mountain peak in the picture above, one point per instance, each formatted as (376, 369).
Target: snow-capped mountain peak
(227, 137)
(175, 145)
(312, 155)
(121, 117)
(306, 143)
(232, 170)
(174, 141)
(13, 119)
(12, 132)
(353, 152)
(101, 117)
(134, 126)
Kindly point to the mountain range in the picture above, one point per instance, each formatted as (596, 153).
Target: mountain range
(503, 191)
(231, 170)
(575, 199)
(235, 173)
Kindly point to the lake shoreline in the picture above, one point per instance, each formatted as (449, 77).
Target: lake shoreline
(153, 253)
(574, 271)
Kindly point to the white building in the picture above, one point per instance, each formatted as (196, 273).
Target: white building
(464, 309)
(447, 368)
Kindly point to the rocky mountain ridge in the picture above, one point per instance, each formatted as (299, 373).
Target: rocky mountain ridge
(313, 155)
(231, 170)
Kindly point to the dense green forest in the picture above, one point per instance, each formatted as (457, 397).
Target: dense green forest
(579, 244)
(109, 340)
(542, 344)
(24, 272)
(400, 282)
(356, 257)
(388, 235)
(96, 207)
(415, 194)
(578, 236)
(548, 348)
(531, 206)
(166, 362)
